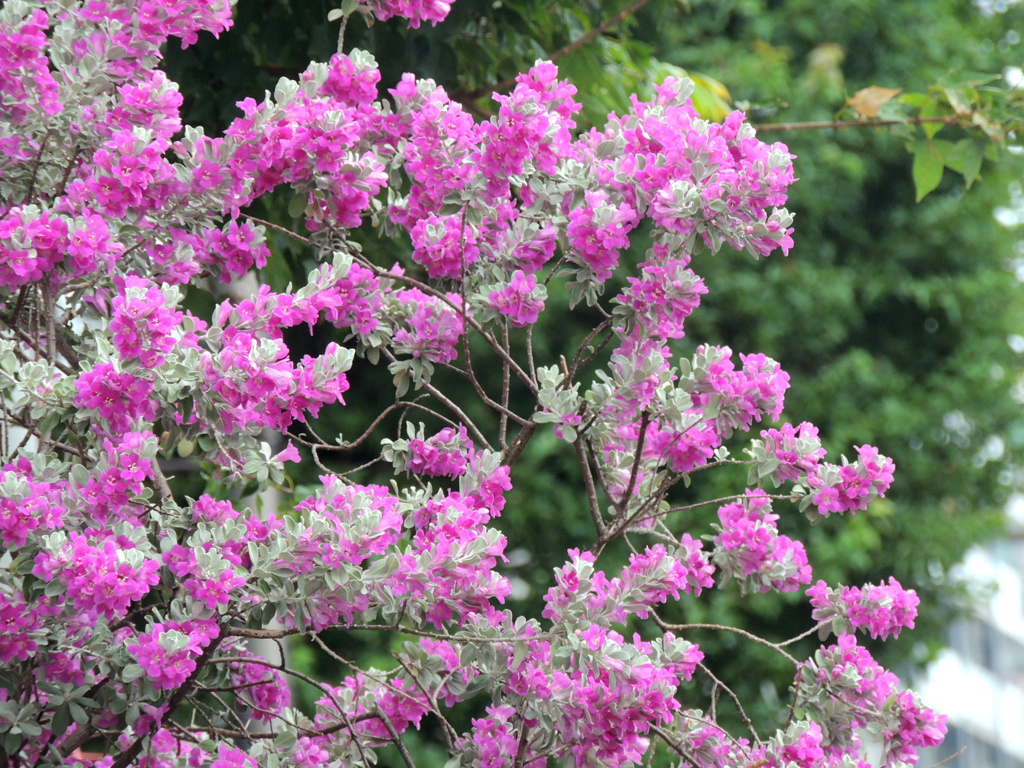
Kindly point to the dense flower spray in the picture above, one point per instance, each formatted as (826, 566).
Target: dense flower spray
(126, 610)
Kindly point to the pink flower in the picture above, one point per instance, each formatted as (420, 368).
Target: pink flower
(232, 757)
(236, 248)
(431, 329)
(882, 609)
(796, 449)
(167, 652)
(32, 244)
(851, 487)
(143, 327)
(597, 232)
(19, 623)
(416, 11)
(101, 578)
(350, 85)
(520, 300)
(121, 399)
(749, 547)
(444, 245)
(442, 455)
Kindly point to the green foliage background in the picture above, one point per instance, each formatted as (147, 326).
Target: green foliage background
(891, 317)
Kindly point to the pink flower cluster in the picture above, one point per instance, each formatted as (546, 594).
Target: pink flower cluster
(144, 327)
(796, 450)
(443, 572)
(100, 578)
(495, 741)
(742, 396)
(445, 454)
(664, 296)
(121, 399)
(20, 625)
(843, 686)
(749, 547)
(262, 688)
(235, 248)
(607, 709)
(724, 164)
(429, 329)
(520, 301)
(598, 230)
(251, 382)
(25, 78)
(416, 11)
(29, 505)
(649, 579)
(801, 746)
(450, 564)
(167, 652)
(850, 487)
(881, 609)
(444, 245)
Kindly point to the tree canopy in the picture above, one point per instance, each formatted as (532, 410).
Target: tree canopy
(486, 266)
(892, 316)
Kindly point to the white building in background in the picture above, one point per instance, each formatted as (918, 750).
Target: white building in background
(979, 680)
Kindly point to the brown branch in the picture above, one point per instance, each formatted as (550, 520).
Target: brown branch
(565, 50)
(735, 699)
(645, 422)
(520, 760)
(395, 738)
(278, 228)
(451, 405)
(588, 482)
(951, 757)
(160, 480)
(467, 318)
(665, 626)
(599, 30)
(62, 185)
(512, 453)
(30, 192)
(836, 125)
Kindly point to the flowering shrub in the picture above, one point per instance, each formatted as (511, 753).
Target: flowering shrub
(126, 612)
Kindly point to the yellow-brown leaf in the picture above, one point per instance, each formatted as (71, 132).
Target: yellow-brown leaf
(867, 101)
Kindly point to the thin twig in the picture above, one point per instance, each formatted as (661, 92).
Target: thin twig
(588, 482)
(735, 700)
(837, 125)
(452, 406)
(576, 44)
(395, 739)
(346, 446)
(576, 362)
(725, 628)
(279, 228)
(645, 422)
(954, 756)
(529, 353)
(470, 373)
(503, 421)
(491, 341)
(511, 454)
